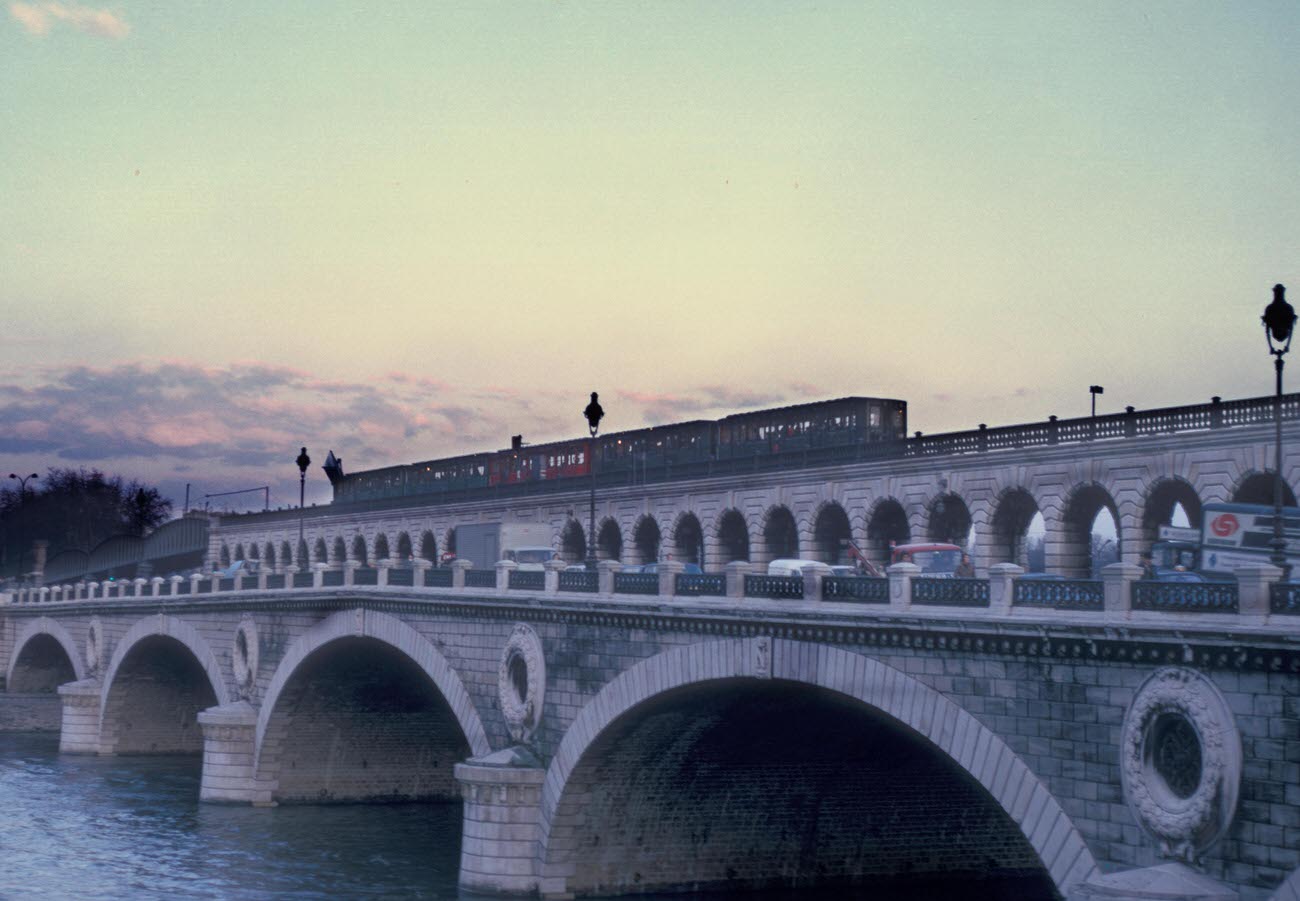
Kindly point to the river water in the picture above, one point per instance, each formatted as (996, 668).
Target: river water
(85, 827)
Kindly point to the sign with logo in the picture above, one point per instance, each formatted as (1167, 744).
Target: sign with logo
(1225, 525)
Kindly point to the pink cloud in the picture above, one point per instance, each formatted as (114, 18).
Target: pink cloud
(40, 18)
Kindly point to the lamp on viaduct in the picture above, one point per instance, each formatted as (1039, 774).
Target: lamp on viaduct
(303, 462)
(1279, 323)
(594, 414)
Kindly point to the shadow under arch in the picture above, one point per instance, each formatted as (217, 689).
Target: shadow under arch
(44, 625)
(934, 719)
(179, 631)
(388, 630)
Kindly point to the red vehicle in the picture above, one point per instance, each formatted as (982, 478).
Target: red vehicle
(935, 558)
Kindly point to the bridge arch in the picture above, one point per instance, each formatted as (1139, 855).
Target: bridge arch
(688, 539)
(381, 547)
(1013, 512)
(609, 540)
(428, 546)
(404, 550)
(287, 557)
(831, 533)
(269, 556)
(949, 519)
(646, 538)
(733, 536)
(224, 555)
(173, 676)
(44, 634)
(1159, 502)
(351, 628)
(573, 542)
(780, 534)
(1081, 509)
(340, 550)
(927, 718)
(1257, 488)
(320, 553)
(887, 524)
(359, 550)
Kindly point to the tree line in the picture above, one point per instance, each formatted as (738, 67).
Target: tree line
(73, 509)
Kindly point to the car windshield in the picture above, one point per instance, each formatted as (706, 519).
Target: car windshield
(937, 561)
(533, 555)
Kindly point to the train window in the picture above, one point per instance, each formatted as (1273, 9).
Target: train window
(875, 416)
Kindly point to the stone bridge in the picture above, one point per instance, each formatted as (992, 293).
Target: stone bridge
(608, 742)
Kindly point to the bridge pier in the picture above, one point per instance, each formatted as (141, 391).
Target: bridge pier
(81, 706)
(502, 822)
(229, 749)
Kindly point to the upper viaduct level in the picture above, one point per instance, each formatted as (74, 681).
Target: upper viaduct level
(989, 483)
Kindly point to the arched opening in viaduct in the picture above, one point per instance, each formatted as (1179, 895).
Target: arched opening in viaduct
(1015, 509)
(609, 541)
(239, 551)
(646, 538)
(1257, 488)
(886, 527)
(358, 720)
(404, 551)
(340, 550)
(359, 550)
(322, 554)
(573, 542)
(155, 694)
(448, 542)
(381, 546)
(253, 553)
(428, 547)
(832, 534)
(1085, 514)
(224, 556)
(733, 537)
(775, 784)
(1163, 498)
(287, 557)
(780, 534)
(688, 539)
(41, 666)
(269, 557)
(950, 519)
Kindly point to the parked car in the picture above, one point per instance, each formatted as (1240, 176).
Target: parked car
(793, 567)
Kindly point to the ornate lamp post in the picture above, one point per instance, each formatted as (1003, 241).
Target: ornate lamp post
(1094, 390)
(303, 462)
(1279, 321)
(594, 413)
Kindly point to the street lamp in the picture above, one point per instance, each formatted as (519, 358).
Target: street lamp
(1094, 390)
(594, 413)
(22, 482)
(1279, 320)
(303, 462)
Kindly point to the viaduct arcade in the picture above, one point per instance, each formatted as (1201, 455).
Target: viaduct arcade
(979, 489)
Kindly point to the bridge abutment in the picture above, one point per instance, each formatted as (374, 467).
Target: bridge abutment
(81, 706)
(229, 752)
(502, 822)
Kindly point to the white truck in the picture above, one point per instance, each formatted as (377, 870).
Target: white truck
(526, 543)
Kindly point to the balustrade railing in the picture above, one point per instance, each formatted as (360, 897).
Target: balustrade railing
(773, 586)
(1185, 597)
(951, 592)
(528, 580)
(480, 578)
(332, 578)
(438, 578)
(303, 580)
(401, 577)
(1284, 597)
(1064, 594)
(636, 583)
(365, 575)
(275, 581)
(701, 585)
(579, 580)
(859, 589)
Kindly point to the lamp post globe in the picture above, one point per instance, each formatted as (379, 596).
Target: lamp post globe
(594, 413)
(1279, 327)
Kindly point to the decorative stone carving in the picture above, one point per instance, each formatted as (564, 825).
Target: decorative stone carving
(521, 682)
(244, 657)
(94, 646)
(1180, 757)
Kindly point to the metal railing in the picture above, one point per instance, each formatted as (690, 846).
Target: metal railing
(951, 592)
(1185, 597)
(578, 580)
(480, 578)
(438, 578)
(774, 586)
(1284, 597)
(1065, 594)
(701, 585)
(528, 580)
(636, 583)
(858, 589)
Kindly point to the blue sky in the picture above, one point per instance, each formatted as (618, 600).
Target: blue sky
(233, 229)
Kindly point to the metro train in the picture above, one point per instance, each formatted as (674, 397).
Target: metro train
(783, 433)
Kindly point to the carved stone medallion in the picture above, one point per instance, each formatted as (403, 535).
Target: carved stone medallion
(1180, 761)
(521, 682)
(244, 656)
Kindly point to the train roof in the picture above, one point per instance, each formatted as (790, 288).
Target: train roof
(813, 405)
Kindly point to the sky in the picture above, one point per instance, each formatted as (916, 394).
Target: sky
(230, 230)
